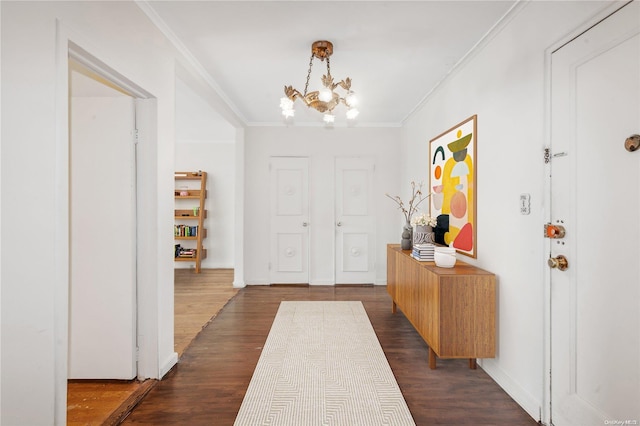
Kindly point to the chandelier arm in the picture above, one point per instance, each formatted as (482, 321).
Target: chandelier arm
(306, 86)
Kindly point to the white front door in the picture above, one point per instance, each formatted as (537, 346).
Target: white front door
(355, 221)
(595, 195)
(289, 257)
(102, 302)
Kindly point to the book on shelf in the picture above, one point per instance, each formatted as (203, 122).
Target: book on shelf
(185, 231)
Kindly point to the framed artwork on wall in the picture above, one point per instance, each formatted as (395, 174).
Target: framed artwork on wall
(452, 182)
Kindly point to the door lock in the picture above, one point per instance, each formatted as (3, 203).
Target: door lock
(559, 262)
(554, 231)
(632, 143)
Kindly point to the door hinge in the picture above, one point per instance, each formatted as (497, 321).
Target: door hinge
(137, 353)
(136, 136)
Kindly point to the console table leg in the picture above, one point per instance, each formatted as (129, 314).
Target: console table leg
(393, 307)
(472, 363)
(432, 359)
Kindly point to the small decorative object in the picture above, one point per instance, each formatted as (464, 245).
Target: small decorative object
(408, 210)
(424, 228)
(445, 257)
(407, 232)
(183, 191)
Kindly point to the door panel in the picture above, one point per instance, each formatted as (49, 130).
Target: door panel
(289, 255)
(102, 305)
(355, 221)
(595, 303)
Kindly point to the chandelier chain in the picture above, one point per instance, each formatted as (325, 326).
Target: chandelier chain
(328, 66)
(306, 85)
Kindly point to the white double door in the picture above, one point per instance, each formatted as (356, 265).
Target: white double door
(595, 195)
(345, 217)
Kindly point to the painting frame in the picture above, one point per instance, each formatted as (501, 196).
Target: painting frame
(453, 185)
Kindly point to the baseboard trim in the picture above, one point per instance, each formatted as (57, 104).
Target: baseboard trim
(523, 398)
(173, 360)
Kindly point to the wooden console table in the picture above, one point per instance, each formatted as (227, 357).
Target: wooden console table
(453, 309)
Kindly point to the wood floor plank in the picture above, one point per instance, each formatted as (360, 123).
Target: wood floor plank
(208, 384)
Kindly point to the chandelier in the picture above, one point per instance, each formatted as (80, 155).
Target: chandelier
(325, 99)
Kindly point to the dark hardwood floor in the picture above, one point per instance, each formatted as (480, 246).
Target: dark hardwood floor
(208, 384)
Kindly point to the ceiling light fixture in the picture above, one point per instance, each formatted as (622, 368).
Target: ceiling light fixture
(325, 99)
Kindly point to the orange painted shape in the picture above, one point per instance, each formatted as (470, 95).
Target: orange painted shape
(464, 240)
(458, 205)
(437, 172)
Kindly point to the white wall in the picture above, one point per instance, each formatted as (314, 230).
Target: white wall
(505, 85)
(34, 181)
(321, 146)
(205, 141)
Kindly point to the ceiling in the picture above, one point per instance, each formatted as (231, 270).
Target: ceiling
(396, 52)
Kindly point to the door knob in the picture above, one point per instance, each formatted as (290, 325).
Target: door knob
(305, 224)
(339, 224)
(559, 262)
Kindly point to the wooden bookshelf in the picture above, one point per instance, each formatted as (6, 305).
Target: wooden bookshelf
(190, 191)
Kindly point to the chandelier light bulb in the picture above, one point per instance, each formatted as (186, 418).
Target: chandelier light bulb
(351, 99)
(329, 118)
(286, 104)
(352, 113)
(288, 113)
(325, 94)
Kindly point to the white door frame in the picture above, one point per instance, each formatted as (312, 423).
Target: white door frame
(148, 363)
(548, 156)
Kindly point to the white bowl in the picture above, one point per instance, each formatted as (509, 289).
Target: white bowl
(444, 260)
(445, 249)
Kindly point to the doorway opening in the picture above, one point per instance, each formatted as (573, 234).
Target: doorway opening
(107, 116)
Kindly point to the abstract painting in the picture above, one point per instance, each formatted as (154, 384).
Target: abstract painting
(452, 182)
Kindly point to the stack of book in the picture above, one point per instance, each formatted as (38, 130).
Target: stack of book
(182, 252)
(423, 252)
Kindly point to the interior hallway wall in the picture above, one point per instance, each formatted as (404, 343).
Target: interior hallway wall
(34, 311)
(504, 83)
(205, 141)
(322, 146)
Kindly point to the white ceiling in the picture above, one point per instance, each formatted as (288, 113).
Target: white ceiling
(396, 52)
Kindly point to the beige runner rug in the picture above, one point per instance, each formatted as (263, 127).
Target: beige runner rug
(322, 365)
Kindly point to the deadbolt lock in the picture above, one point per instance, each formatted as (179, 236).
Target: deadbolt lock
(559, 262)
(554, 231)
(632, 143)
